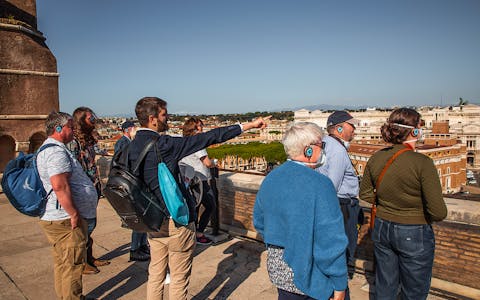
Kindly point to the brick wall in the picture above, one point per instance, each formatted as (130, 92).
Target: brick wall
(457, 255)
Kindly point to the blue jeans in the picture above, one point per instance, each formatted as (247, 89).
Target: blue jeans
(138, 240)
(404, 255)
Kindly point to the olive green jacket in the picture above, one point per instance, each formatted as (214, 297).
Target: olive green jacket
(410, 192)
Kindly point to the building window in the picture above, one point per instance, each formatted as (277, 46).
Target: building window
(448, 170)
(439, 172)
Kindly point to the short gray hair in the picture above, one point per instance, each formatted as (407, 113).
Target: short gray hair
(300, 135)
(55, 119)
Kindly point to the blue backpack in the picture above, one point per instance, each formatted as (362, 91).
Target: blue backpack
(22, 185)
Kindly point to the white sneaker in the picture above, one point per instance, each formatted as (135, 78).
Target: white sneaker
(167, 279)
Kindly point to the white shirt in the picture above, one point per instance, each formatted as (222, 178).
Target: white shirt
(57, 160)
(193, 160)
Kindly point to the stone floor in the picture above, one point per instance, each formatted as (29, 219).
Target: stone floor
(232, 269)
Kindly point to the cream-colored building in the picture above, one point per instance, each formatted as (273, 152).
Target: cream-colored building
(464, 123)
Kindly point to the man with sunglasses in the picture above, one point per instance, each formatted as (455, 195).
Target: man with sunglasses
(340, 170)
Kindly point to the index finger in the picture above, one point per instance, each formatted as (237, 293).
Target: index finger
(267, 118)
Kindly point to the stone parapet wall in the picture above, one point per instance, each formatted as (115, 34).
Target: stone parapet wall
(457, 255)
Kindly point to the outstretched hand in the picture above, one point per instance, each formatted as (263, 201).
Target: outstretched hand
(257, 123)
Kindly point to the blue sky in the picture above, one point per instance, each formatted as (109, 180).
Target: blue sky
(240, 56)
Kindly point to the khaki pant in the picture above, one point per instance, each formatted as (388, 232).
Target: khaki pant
(69, 254)
(172, 246)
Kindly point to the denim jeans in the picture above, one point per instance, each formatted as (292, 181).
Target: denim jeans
(138, 240)
(404, 255)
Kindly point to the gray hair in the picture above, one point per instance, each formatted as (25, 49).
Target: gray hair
(55, 119)
(300, 135)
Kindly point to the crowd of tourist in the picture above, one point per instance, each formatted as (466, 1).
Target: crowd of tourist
(307, 209)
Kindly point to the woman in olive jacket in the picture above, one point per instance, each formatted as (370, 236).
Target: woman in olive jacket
(409, 198)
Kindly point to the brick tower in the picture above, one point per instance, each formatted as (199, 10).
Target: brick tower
(28, 80)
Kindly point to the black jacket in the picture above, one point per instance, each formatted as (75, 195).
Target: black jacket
(172, 149)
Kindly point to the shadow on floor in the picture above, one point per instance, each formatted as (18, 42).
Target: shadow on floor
(233, 270)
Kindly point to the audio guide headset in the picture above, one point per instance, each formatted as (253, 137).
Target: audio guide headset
(415, 132)
(339, 129)
(58, 129)
(308, 152)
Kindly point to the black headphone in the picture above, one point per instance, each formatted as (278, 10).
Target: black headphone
(58, 129)
(308, 152)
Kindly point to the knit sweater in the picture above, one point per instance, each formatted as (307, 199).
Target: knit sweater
(410, 191)
(296, 208)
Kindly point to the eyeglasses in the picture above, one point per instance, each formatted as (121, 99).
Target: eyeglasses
(321, 145)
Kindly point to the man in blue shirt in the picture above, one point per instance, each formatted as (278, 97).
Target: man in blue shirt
(340, 170)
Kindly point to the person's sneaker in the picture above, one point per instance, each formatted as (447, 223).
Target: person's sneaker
(89, 269)
(167, 279)
(100, 262)
(138, 255)
(203, 240)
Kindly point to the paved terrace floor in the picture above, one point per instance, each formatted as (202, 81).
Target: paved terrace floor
(234, 269)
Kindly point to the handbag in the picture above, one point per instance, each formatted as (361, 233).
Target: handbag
(373, 210)
(172, 196)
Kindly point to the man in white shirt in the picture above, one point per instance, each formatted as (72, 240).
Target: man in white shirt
(73, 198)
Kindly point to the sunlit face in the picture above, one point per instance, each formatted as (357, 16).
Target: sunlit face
(162, 120)
(348, 132)
(90, 119)
(67, 132)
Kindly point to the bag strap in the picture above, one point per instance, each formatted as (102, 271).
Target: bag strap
(142, 155)
(382, 174)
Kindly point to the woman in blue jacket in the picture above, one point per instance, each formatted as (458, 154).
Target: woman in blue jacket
(297, 213)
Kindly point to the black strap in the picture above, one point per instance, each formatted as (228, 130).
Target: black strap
(142, 155)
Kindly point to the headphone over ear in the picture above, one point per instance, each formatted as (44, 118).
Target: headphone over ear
(339, 129)
(415, 132)
(308, 152)
(58, 128)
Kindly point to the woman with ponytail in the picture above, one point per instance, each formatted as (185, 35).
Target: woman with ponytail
(409, 198)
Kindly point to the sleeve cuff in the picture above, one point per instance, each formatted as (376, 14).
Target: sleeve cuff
(340, 283)
(241, 127)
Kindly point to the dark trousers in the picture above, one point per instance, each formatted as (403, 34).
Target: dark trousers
(350, 210)
(138, 240)
(208, 202)
(284, 295)
(404, 255)
(91, 224)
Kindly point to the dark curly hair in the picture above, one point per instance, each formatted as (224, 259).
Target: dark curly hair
(84, 133)
(190, 126)
(395, 134)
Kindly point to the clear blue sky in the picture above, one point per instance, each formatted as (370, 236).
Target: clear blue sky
(240, 56)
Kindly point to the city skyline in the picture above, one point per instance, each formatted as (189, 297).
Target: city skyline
(214, 57)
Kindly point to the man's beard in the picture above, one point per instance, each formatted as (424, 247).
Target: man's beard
(162, 126)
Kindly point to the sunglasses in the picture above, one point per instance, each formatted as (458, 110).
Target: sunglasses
(92, 119)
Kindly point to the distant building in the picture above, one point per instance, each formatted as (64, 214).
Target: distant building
(464, 123)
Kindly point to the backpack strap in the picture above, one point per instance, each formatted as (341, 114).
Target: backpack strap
(43, 147)
(144, 152)
(389, 162)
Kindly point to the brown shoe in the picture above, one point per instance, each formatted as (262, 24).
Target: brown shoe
(100, 262)
(89, 269)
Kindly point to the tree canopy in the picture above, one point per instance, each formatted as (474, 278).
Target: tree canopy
(273, 152)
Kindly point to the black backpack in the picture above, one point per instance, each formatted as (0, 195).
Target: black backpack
(128, 194)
